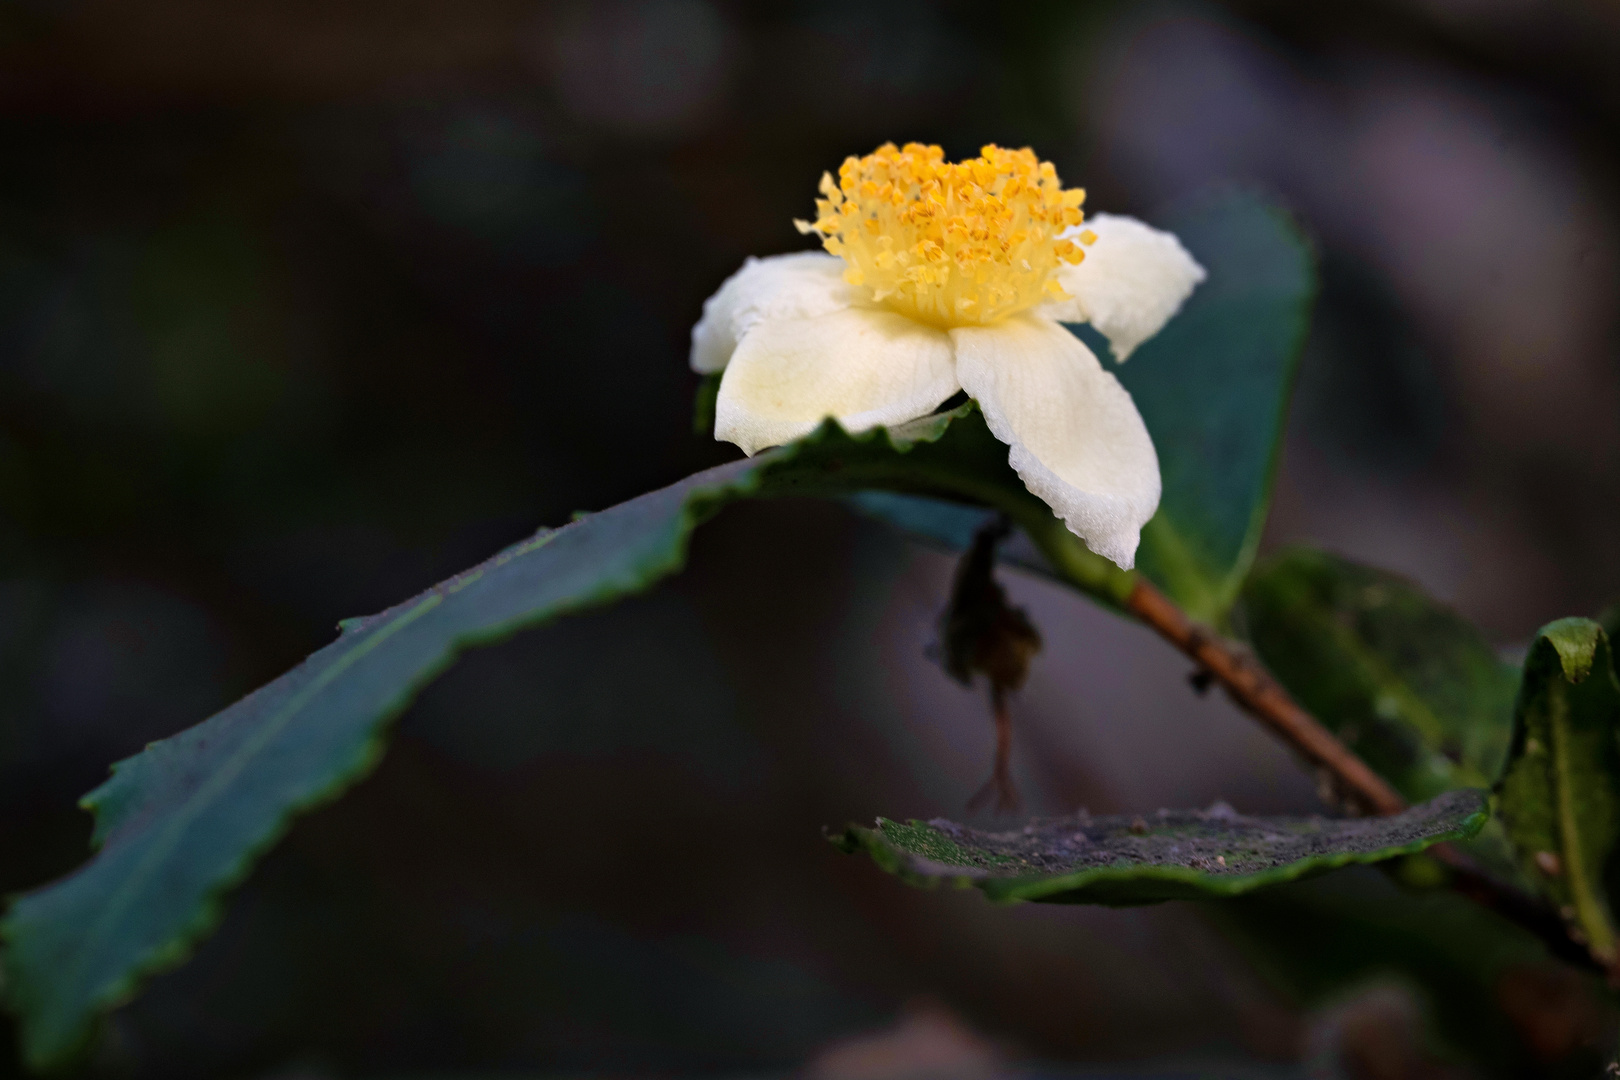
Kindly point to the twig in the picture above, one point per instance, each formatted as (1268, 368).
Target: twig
(1253, 690)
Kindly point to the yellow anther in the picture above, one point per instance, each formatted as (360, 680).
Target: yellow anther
(1088, 237)
(951, 243)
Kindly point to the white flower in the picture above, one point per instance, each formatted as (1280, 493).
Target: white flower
(946, 277)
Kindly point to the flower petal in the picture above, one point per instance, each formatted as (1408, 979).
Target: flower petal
(862, 366)
(1132, 280)
(801, 285)
(1077, 440)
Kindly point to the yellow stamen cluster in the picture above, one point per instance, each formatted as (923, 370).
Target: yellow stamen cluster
(950, 244)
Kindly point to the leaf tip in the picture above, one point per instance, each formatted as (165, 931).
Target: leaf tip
(1576, 641)
(847, 839)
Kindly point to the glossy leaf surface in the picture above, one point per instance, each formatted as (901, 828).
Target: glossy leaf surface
(1172, 855)
(1213, 387)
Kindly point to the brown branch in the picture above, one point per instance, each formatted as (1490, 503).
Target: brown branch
(1254, 691)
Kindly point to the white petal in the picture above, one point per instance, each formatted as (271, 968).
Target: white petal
(1132, 280)
(1077, 440)
(797, 286)
(862, 366)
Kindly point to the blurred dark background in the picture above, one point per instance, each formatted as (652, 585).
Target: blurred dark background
(305, 306)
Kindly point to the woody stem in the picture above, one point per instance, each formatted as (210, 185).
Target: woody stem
(1255, 692)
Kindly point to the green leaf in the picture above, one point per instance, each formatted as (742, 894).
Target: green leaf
(1560, 796)
(1406, 683)
(1213, 387)
(180, 823)
(1180, 855)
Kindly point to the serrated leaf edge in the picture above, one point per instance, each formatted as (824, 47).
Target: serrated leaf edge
(50, 1049)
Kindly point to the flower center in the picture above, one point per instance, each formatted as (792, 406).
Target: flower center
(950, 244)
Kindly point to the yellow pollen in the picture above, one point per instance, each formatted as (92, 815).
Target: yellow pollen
(950, 244)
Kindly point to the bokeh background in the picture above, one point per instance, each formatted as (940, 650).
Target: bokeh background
(306, 306)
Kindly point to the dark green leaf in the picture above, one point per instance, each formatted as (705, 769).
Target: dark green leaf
(1213, 387)
(1406, 683)
(1560, 796)
(1180, 855)
(182, 822)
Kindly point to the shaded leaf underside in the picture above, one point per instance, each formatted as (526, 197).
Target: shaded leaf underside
(1171, 855)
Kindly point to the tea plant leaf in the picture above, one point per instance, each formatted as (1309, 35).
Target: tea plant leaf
(1171, 855)
(1560, 796)
(1213, 388)
(1406, 683)
(180, 823)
